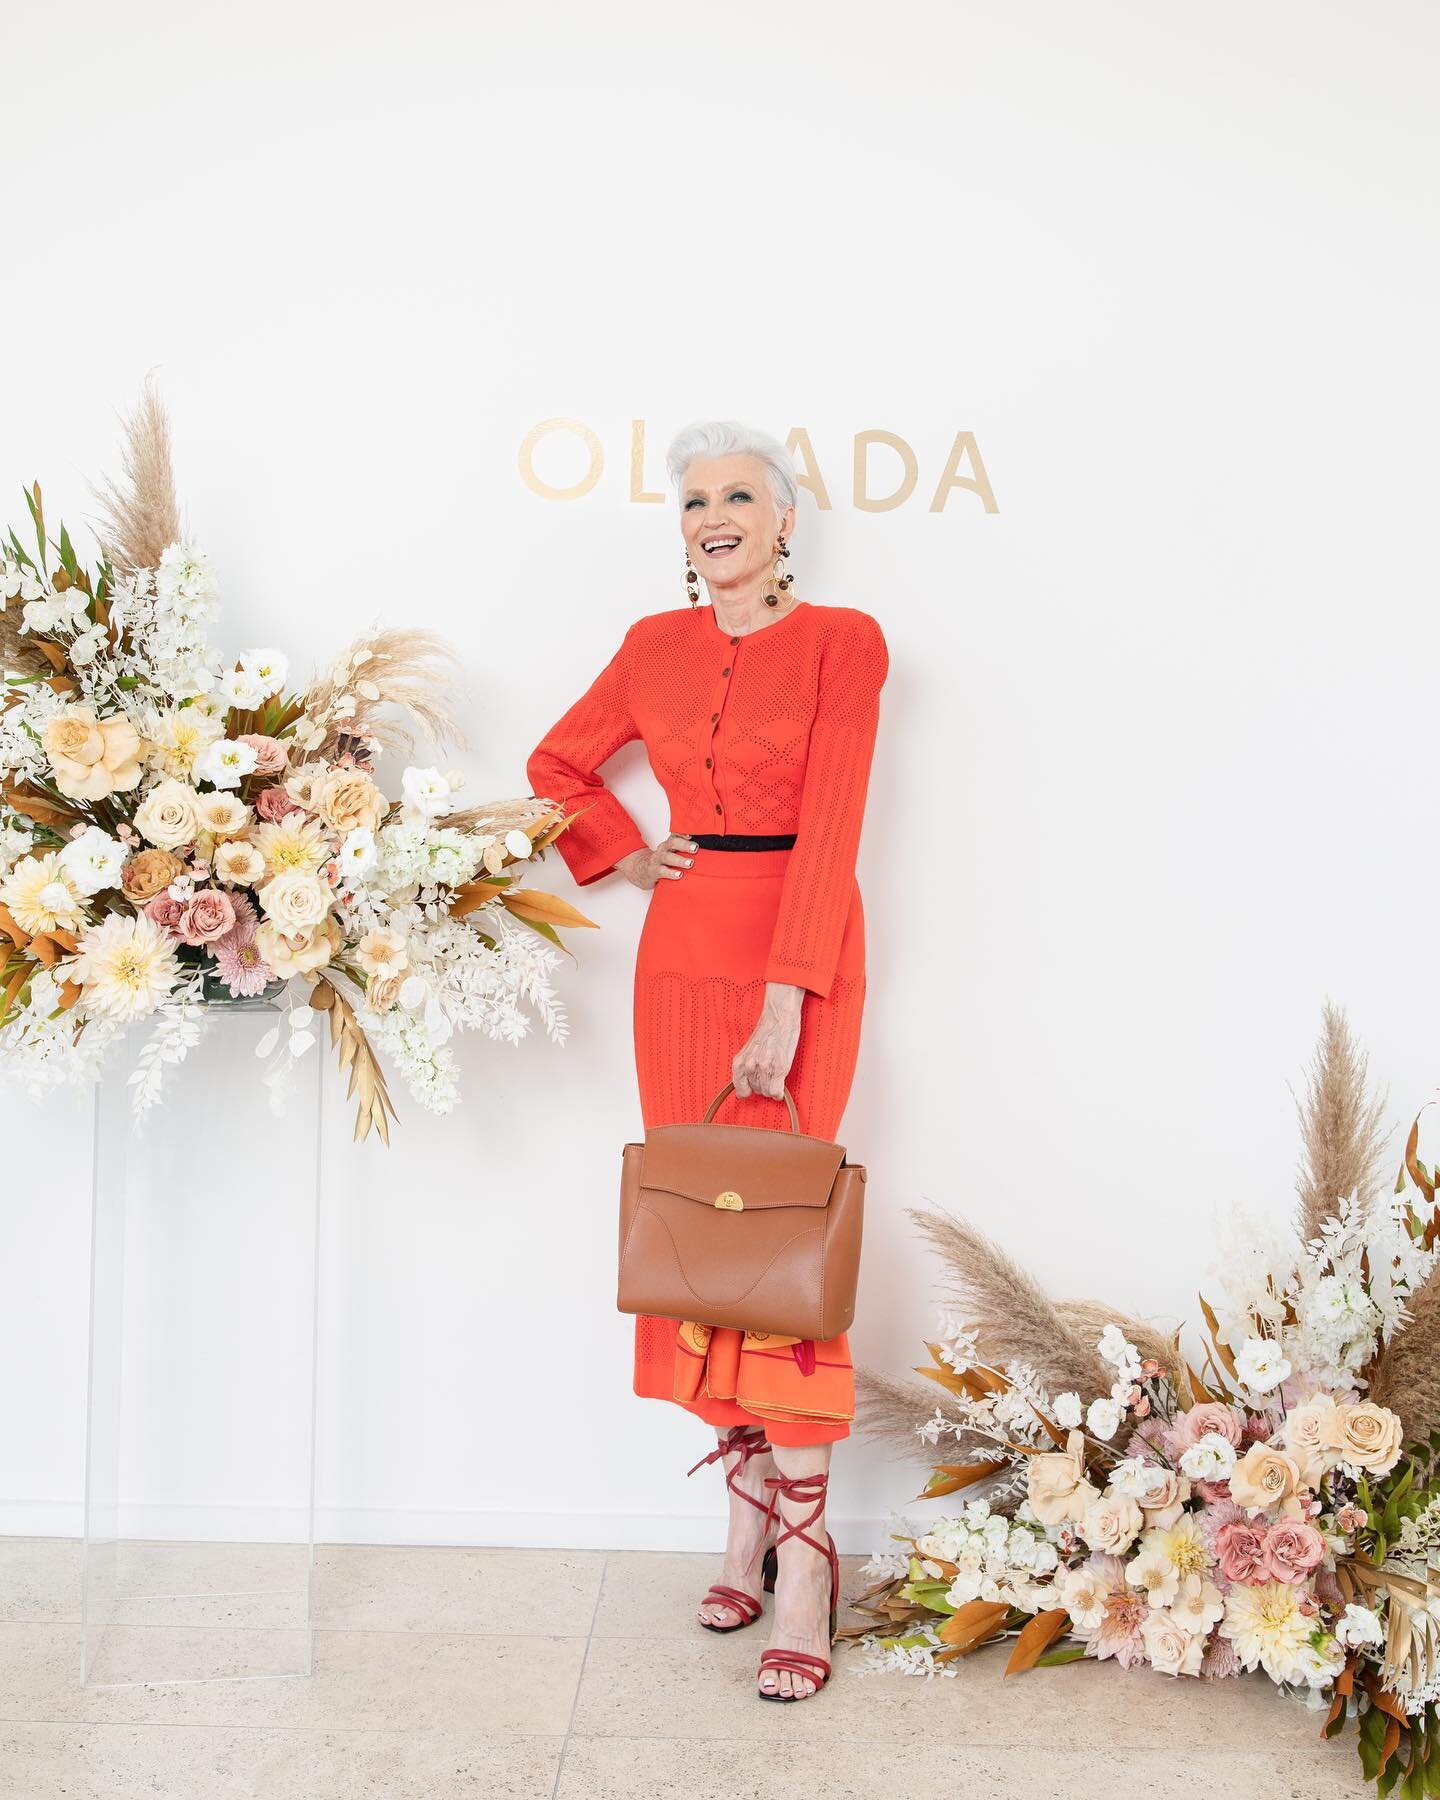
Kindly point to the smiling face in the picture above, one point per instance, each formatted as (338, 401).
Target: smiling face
(730, 520)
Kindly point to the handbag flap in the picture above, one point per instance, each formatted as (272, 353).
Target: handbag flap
(766, 1168)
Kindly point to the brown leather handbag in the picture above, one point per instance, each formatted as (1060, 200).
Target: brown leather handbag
(741, 1225)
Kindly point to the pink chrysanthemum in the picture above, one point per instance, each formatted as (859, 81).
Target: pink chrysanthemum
(238, 963)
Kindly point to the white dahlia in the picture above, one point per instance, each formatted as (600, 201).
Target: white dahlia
(126, 967)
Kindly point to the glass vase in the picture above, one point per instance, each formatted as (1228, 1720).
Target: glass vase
(200, 1455)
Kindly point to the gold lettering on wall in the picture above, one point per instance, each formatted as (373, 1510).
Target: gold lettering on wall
(964, 451)
(863, 441)
(807, 469)
(978, 483)
(637, 465)
(586, 481)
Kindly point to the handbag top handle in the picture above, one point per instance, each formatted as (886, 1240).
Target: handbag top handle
(729, 1088)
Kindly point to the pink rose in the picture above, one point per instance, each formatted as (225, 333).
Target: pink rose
(1292, 1549)
(270, 754)
(1210, 1415)
(1241, 1551)
(207, 917)
(165, 912)
(273, 803)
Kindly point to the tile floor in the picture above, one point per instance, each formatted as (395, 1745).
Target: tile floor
(579, 1675)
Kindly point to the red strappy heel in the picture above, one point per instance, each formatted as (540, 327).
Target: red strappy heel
(801, 1662)
(748, 1441)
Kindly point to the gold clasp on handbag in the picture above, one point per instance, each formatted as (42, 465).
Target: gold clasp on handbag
(729, 1201)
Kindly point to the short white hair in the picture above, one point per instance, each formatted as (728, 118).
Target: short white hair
(728, 437)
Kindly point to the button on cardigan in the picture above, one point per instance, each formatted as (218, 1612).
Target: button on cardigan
(770, 732)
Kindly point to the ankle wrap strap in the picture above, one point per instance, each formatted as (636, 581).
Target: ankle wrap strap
(801, 1488)
(748, 1440)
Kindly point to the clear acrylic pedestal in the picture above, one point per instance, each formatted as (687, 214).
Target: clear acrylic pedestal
(200, 1454)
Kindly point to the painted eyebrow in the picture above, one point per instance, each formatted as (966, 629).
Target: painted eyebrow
(735, 487)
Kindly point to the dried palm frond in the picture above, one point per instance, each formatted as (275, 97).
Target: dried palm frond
(1014, 1318)
(1343, 1145)
(1407, 1378)
(412, 670)
(374, 1108)
(140, 515)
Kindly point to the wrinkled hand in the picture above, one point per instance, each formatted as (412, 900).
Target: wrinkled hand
(762, 1063)
(668, 861)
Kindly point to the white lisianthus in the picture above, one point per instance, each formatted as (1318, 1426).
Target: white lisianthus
(427, 791)
(241, 688)
(1260, 1365)
(1102, 1418)
(1067, 1411)
(1359, 1625)
(267, 667)
(357, 853)
(1210, 1458)
(225, 763)
(93, 860)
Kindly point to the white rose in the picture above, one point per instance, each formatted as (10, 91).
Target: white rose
(166, 816)
(1359, 1625)
(294, 900)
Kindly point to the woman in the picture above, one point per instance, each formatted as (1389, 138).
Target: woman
(758, 712)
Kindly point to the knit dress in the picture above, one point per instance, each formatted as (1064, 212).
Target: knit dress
(768, 733)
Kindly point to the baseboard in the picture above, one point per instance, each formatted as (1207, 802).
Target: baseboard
(531, 1530)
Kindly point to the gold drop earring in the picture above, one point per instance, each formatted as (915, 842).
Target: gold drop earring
(692, 582)
(779, 583)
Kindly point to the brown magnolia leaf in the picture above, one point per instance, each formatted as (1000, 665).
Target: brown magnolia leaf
(974, 1623)
(473, 896)
(30, 803)
(1221, 1350)
(17, 934)
(1198, 1389)
(953, 1476)
(545, 909)
(69, 994)
(1036, 1639)
(14, 985)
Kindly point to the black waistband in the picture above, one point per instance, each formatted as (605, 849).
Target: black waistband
(730, 840)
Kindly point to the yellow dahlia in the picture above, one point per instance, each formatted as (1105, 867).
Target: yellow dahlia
(293, 844)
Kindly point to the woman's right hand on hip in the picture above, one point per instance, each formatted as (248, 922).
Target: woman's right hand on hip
(668, 861)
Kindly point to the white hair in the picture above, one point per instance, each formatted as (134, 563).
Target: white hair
(727, 437)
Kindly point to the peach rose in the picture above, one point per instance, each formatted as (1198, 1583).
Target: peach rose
(382, 991)
(1057, 1485)
(298, 952)
(347, 799)
(92, 757)
(1370, 1437)
(294, 900)
(1311, 1436)
(238, 863)
(1263, 1478)
(1111, 1523)
(1164, 1500)
(148, 873)
(1200, 1420)
(166, 816)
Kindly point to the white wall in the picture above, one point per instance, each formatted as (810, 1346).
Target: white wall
(1156, 765)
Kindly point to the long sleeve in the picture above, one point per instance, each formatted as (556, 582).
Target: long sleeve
(815, 899)
(562, 768)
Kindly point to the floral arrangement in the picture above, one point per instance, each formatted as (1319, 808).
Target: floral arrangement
(178, 829)
(1276, 1509)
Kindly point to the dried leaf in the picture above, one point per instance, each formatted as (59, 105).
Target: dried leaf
(1036, 1639)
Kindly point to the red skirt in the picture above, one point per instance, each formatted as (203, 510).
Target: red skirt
(699, 988)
